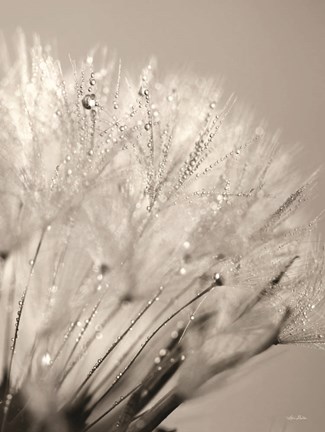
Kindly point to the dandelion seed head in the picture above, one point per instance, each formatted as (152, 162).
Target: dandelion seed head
(146, 229)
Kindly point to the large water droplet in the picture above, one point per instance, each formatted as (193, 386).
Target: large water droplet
(89, 101)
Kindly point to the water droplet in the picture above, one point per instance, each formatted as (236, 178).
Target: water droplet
(218, 279)
(89, 101)
(141, 91)
(53, 289)
(46, 359)
(259, 131)
(144, 393)
(162, 352)
(213, 105)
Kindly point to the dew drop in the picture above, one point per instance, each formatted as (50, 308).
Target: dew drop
(141, 91)
(89, 101)
(46, 359)
(259, 131)
(187, 245)
(218, 279)
(144, 393)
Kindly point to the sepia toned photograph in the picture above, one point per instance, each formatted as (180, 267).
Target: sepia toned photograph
(162, 264)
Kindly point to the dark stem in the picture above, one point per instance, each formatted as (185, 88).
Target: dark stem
(153, 417)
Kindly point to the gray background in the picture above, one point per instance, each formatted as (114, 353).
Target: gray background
(271, 53)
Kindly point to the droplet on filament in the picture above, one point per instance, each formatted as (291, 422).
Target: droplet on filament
(89, 101)
(46, 359)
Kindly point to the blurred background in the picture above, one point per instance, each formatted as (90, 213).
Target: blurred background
(271, 54)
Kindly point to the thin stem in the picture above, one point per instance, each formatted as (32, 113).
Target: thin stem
(17, 326)
(149, 338)
(116, 342)
(138, 338)
(153, 417)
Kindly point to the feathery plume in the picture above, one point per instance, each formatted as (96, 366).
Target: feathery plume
(152, 236)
